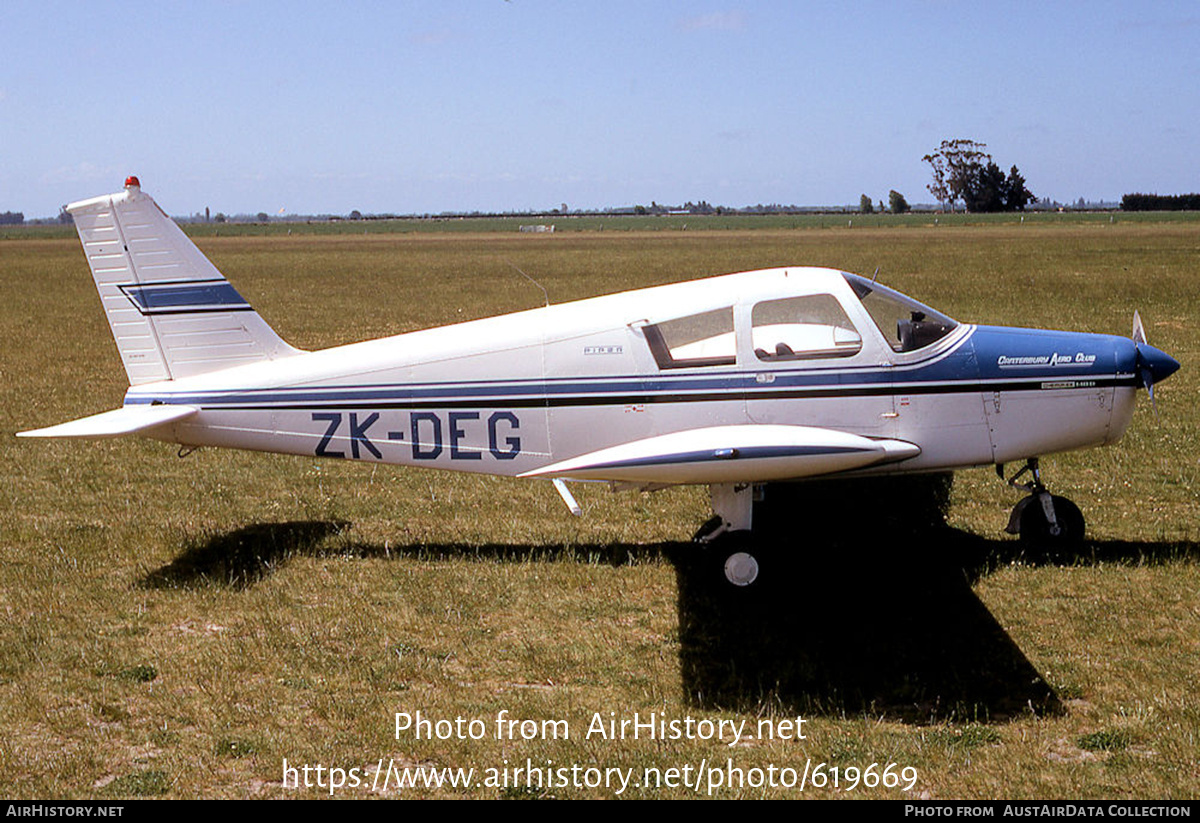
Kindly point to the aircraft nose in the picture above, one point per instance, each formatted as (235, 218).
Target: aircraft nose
(1158, 363)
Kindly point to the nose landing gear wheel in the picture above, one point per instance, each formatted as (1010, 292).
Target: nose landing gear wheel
(1043, 520)
(1035, 527)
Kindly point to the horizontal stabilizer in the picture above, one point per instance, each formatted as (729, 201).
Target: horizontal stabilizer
(731, 454)
(125, 420)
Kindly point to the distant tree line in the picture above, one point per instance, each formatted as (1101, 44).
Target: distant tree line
(703, 207)
(896, 204)
(1160, 202)
(12, 218)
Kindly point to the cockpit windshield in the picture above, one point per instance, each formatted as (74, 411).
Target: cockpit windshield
(907, 324)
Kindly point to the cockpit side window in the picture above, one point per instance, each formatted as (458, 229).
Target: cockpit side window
(704, 339)
(803, 328)
(907, 324)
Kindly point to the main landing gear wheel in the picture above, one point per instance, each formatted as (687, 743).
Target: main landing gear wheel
(731, 551)
(741, 568)
(732, 559)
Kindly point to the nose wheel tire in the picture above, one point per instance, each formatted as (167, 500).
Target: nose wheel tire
(1042, 519)
(1035, 527)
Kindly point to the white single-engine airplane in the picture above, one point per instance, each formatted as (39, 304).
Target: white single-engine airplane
(730, 382)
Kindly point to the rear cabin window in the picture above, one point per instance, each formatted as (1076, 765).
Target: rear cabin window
(704, 339)
(803, 328)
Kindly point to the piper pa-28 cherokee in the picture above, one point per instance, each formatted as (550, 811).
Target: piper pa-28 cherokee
(731, 382)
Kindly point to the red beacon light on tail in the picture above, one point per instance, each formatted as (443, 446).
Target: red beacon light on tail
(132, 182)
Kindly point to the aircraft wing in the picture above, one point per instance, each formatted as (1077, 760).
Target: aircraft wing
(731, 454)
(125, 420)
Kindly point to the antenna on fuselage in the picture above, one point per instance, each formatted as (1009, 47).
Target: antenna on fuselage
(545, 293)
(875, 275)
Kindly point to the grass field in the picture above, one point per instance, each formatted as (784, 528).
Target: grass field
(180, 627)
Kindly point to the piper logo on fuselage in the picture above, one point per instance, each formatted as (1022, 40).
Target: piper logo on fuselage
(1034, 361)
(460, 434)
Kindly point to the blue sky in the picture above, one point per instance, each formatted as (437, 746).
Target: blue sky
(491, 105)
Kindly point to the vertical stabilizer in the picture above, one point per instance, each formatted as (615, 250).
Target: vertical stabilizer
(172, 313)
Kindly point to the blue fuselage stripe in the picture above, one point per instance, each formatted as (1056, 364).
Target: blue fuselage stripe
(405, 397)
(980, 365)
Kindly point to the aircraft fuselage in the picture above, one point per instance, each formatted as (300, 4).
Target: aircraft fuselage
(511, 394)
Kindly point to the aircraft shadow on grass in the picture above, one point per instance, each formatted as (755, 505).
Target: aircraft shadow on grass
(889, 626)
(869, 619)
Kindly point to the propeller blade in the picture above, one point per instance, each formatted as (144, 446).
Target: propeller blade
(1139, 331)
(1148, 379)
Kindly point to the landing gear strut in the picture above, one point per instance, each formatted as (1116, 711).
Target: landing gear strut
(726, 538)
(1042, 518)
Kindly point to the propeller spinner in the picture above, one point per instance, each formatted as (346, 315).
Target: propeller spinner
(1153, 364)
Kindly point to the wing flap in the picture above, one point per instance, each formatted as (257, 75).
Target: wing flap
(731, 454)
(115, 423)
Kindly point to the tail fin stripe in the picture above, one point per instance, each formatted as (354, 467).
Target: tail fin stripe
(192, 296)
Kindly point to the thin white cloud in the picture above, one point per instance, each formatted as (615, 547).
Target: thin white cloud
(432, 38)
(470, 177)
(341, 175)
(1165, 25)
(715, 21)
(79, 173)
